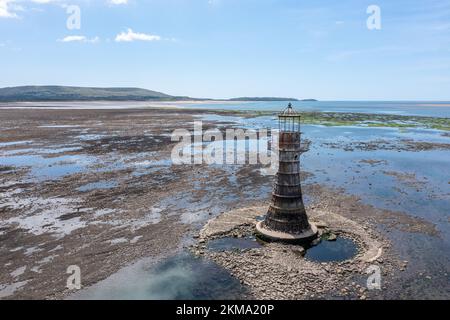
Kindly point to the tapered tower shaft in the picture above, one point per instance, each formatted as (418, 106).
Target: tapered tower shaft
(287, 212)
(286, 218)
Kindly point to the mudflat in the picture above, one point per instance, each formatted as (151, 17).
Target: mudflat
(98, 189)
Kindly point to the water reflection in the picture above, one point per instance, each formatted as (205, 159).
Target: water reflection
(181, 277)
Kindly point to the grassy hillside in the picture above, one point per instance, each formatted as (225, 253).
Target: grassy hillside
(60, 93)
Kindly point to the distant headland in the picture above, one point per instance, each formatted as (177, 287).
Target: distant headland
(66, 93)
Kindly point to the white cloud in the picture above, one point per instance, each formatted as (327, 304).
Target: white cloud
(130, 36)
(9, 8)
(118, 1)
(6, 10)
(43, 1)
(80, 39)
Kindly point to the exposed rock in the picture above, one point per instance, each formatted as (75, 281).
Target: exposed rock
(279, 271)
(331, 237)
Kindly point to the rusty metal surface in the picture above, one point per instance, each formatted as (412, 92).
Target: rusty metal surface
(287, 211)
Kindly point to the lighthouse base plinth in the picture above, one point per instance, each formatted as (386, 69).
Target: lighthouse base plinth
(271, 235)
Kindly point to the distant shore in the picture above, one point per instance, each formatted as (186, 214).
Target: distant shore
(434, 105)
(401, 109)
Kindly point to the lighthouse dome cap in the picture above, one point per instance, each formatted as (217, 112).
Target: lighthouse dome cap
(289, 112)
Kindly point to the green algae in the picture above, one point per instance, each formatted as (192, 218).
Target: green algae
(335, 119)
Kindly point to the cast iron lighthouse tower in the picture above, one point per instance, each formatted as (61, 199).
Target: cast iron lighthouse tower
(286, 219)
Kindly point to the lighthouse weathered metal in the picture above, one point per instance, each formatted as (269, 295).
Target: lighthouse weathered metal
(286, 218)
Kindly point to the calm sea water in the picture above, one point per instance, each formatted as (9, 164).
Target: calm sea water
(407, 108)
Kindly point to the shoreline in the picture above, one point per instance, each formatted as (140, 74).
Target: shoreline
(427, 104)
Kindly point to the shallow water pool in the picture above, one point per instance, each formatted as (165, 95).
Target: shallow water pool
(180, 277)
(333, 251)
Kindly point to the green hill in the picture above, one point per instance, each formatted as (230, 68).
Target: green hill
(60, 93)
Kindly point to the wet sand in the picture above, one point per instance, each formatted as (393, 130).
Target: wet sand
(48, 224)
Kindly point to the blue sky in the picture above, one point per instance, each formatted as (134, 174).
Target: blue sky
(229, 48)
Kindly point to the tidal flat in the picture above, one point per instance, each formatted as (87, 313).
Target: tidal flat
(333, 119)
(97, 188)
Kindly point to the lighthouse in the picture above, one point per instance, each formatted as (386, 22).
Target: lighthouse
(286, 219)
